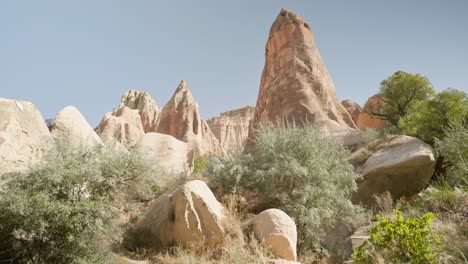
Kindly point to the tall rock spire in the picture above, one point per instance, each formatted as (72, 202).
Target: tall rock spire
(295, 84)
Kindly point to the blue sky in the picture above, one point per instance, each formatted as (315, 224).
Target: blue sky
(86, 53)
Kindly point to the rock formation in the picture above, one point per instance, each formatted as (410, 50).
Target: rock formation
(232, 128)
(72, 129)
(171, 155)
(23, 135)
(373, 105)
(295, 84)
(353, 109)
(188, 215)
(180, 118)
(362, 117)
(146, 106)
(123, 125)
(403, 166)
(277, 231)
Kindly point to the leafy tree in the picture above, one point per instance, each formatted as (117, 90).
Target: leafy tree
(427, 119)
(400, 240)
(399, 92)
(298, 170)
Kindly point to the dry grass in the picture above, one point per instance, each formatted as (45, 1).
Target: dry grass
(359, 157)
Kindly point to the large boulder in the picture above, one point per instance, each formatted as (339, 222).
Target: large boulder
(123, 125)
(171, 155)
(403, 166)
(146, 107)
(180, 118)
(24, 136)
(72, 129)
(186, 215)
(277, 231)
(295, 84)
(232, 128)
(353, 109)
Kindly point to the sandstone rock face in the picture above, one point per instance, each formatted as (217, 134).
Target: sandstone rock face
(171, 155)
(180, 118)
(146, 106)
(232, 128)
(353, 109)
(23, 135)
(72, 129)
(123, 125)
(373, 105)
(402, 167)
(295, 84)
(278, 231)
(187, 215)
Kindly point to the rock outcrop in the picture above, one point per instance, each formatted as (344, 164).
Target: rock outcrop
(187, 215)
(146, 106)
(363, 118)
(232, 128)
(295, 84)
(123, 125)
(170, 154)
(23, 135)
(366, 120)
(353, 109)
(277, 231)
(403, 166)
(180, 118)
(71, 129)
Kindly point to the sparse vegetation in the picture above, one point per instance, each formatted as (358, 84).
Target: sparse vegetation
(298, 170)
(63, 210)
(400, 240)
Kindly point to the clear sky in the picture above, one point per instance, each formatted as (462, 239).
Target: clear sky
(86, 53)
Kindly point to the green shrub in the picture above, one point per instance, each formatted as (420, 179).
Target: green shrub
(200, 163)
(400, 240)
(62, 211)
(295, 169)
(454, 150)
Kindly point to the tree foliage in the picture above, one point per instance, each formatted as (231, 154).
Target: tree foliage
(427, 119)
(295, 169)
(399, 92)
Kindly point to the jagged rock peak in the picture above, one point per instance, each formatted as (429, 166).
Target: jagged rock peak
(295, 84)
(182, 96)
(137, 100)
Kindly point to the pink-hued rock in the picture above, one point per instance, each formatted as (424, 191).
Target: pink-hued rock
(232, 128)
(123, 125)
(295, 84)
(146, 106)
(373, 105)
(180, 118)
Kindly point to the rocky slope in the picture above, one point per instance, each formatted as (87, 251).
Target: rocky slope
(231, 128)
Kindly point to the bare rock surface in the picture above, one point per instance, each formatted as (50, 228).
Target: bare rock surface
(180, 118)
(366, 120)
(72, 129)
(278, 232)
(232, 128)
(123, 125)
(24, 136)
(188, 214)
(171, 155)
(353, 109)
(295, 84)
(146, 106)
(402, 167)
